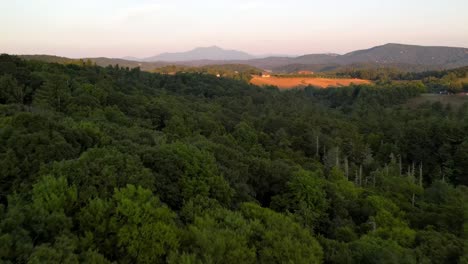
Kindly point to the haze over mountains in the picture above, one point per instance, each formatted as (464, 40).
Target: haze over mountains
(405, 57)
(202, 53)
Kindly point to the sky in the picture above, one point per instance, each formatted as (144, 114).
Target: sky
(143, 28)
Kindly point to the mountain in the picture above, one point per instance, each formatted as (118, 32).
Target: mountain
(130, 58)
(205, 53)
(411, 57)
(271, 63)
(408, 54)
(403, 57)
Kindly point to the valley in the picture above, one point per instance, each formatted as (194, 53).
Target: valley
(232, 132)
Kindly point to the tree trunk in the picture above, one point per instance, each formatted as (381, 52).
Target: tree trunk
(346, 168)
(420, 176)
(337, 157)
(360, 175)
(317, 145)
(400, 163)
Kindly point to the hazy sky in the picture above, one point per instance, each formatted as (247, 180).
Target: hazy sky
(116, 28)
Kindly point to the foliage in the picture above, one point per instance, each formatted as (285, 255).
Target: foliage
(117, 165)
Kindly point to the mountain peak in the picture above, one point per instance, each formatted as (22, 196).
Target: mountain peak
(393, 44)
(214, 47)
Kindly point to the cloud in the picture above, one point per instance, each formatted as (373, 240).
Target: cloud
(140, 12)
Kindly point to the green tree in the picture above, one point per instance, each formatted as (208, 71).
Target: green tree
(55, 93)
(304, 197)
(10, 90)
(184, 171)
(279, 239)
(387, 222)
(62, 251)
(461, 163)
(146, 230)
(221, 236)
(98, 171)
(436, 247)
(371, 249)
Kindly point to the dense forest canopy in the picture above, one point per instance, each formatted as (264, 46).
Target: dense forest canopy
(102, 165)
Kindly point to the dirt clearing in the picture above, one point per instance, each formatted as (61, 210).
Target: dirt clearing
(294, 82)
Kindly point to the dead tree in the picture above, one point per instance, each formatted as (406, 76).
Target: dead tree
(346, 168)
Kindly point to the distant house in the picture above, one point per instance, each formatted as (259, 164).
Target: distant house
(266, 75)
(305, 72)
(218, 75)
(445, 92)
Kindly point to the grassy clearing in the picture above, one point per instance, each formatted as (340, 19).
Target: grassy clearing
(454, 100)
(294, 82)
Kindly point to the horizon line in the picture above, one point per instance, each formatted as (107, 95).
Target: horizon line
(255, 56)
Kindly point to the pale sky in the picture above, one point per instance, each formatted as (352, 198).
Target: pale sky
(142, 28)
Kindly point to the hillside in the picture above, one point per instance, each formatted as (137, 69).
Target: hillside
(102, 61)
(213, 67)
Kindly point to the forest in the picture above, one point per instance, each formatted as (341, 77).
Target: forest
(452, 80)
(118, 165)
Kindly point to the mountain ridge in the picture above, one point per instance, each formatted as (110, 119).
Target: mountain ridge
(201, 53)
(413, 57)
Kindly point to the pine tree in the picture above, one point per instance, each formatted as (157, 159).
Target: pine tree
(55, 93)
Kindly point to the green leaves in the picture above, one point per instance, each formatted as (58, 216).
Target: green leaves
(461, 163)
(387, 222)
(251, 235)
(184, 171)
(10, 90)
(371, 249)
(304, 197)
(146, 230)
(98, 171)
(436, 247)
(62, 251)
(279, 239)
(221, 236)
(55, 93)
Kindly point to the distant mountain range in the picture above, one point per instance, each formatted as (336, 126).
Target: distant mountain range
(203, 53)
(391, 55)
(404, 57)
